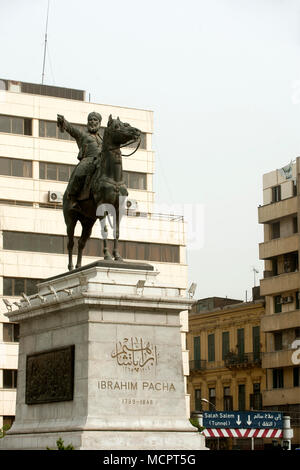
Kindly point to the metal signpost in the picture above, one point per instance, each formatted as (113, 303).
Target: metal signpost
(243, 424)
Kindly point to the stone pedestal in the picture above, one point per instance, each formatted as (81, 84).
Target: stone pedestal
(100, 363)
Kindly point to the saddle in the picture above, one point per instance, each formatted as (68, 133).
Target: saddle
(85, 192)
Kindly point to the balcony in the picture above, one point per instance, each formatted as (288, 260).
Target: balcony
(279, 246)
(280, 321)
(281, 396)
(232, 361)
(241, 361)
(278, 284)
(277, 210)
(282, 358)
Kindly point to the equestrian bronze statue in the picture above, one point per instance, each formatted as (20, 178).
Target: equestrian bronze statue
(96, 183)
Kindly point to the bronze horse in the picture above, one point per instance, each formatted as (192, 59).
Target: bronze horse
(107, 189)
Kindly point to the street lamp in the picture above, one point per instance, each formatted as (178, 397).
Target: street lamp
(209, 402)
(198, 415)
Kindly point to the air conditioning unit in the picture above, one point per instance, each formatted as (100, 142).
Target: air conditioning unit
(55, 196)
(132, 204)
(287, 300)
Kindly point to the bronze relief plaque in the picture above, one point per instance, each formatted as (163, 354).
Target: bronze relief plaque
(50, 376)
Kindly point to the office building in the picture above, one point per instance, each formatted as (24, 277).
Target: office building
(280, 250)
(36, 161)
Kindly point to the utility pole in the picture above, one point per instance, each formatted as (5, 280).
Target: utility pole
(255, 271)
(45, 45)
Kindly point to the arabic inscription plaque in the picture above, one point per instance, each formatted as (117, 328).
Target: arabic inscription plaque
(135, 354)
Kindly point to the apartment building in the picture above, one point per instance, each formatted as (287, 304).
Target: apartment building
(226, 344)
(36, 161)
(280, 250)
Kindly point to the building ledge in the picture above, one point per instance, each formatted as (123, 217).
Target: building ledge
(277, 284)
(282, 358)
(277, 210)
(281, 396)
(279, 246)
(280, 321)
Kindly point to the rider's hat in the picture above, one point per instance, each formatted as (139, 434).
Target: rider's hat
(96, 115)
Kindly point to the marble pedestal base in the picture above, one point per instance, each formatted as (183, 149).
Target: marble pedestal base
(100, 363)
(107, 440)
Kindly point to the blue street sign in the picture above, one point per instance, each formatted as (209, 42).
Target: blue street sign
(242, 419)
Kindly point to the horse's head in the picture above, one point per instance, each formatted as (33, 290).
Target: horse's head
(120, 133)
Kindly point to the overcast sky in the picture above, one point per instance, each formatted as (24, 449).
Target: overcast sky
(223, 80)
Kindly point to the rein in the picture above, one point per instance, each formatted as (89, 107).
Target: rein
(139, 143)
(126, 145)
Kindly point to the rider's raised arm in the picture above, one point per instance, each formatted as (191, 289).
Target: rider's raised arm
(65, 125)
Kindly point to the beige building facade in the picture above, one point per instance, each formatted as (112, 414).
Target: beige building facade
(226, 345)
(280, 250)
(36, 160)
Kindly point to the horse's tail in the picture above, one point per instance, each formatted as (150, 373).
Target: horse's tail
(109, 220)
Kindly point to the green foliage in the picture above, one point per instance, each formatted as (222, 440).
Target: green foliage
(194, 422)
(61, 446)
(3, 430)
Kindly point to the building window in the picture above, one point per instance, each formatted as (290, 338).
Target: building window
(256, 398)
(197, 353)
(241, 397)
(50, 130)
(15, 286)
(55, 171)
(278, 341)
(11, 332)
(227, 399)
(277, 378)
(295, 188)
(15, 167)
(275, 230)
(295, 225)
(50, 90)
(241, 343)
(225, 344)
(15, 125)
(290, 262)
(297, 300)
(277, 304)
(198, 402)
(212, 398)
(296, 376)
(135, 180)
(274, 267)
(10, 378)
(256, 342)
(276, 193)
(38, 242)
(211, 347)
(61, 172)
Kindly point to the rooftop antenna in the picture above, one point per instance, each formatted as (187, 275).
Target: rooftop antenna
(255, 271)
(45, 45)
